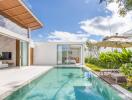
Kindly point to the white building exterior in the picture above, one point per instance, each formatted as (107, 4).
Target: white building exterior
(16, 24)
(46, 53)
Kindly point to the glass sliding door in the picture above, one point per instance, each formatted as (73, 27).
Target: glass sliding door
(62, 54)
(69, 54)
(59, 55)
(24, 53)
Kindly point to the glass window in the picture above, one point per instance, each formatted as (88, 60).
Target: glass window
(24, 53)
(69, 54)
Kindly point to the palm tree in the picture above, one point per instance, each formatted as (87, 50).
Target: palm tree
(124, 5)
(92, 48)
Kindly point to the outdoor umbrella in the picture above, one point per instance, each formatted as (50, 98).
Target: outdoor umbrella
(115, 42)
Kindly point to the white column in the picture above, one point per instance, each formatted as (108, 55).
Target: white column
(83, 53)
(29, 36)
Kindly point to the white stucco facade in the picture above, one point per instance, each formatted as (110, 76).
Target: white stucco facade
(45, 53)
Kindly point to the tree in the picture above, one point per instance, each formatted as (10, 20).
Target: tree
(124, 5)
(93, 49)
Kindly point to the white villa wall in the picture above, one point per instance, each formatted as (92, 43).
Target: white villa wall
(45, 53)
(8, 45)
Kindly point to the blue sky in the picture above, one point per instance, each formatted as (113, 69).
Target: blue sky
(77, 20)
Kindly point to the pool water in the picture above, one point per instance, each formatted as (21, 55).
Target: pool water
(66, 84)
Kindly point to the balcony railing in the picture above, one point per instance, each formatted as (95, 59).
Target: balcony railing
(8, 24)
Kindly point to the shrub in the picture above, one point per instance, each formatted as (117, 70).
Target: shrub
(126, 69)
(86, 60)
(91, 60)
(111, 59)
(0, 56)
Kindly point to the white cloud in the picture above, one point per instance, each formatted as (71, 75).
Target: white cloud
(101, 26)
(92, 40)
(60, 36)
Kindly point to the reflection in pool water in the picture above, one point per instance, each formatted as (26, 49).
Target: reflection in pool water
(65, 84)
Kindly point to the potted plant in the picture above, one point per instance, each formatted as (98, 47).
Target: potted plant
(0, 57)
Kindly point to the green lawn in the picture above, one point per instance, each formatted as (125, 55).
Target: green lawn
(94, 67)
(126, 87)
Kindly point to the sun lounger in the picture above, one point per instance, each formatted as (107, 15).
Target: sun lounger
(119, 78)
(109, 70)
(115, 74)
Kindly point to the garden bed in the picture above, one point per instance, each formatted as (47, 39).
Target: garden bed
(94, 67)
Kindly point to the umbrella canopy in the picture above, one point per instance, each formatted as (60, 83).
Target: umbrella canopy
(115, 42)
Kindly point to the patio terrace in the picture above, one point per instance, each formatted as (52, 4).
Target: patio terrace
(14, 78)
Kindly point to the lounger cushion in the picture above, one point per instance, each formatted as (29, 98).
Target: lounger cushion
(3, 65)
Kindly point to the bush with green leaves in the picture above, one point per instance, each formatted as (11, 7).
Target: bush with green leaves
(115, 59)
(91, 60)
(0, 56)
(111, 59)
(126, 69)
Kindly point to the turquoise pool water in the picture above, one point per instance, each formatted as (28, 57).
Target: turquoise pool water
(65, 84)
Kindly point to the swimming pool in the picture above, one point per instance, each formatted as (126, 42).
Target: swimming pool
(66, 83)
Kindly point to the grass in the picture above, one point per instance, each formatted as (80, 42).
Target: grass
(124, 85)
(94, 67)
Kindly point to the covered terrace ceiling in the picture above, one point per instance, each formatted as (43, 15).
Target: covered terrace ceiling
(18, 12)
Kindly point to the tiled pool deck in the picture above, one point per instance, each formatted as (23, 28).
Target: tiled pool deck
(11, 79)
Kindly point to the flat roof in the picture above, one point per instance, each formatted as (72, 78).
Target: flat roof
(59, 43)
(18, 12)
